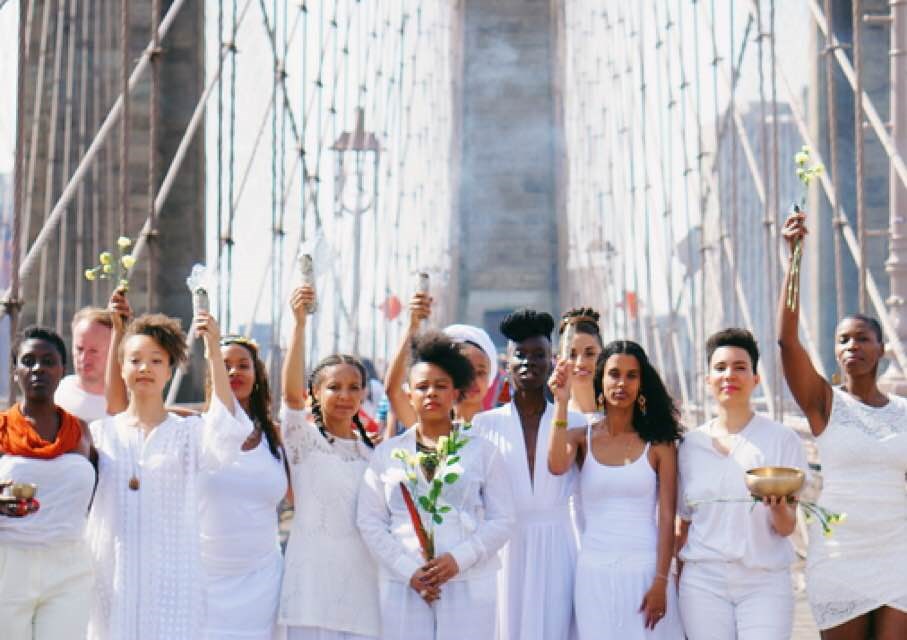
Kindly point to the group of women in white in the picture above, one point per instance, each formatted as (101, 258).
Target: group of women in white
(592, 516)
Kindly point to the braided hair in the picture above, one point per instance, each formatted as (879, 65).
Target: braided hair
(315, 380)
(260, 398)
(585, 320)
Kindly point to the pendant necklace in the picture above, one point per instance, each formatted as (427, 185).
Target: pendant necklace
(134, 482)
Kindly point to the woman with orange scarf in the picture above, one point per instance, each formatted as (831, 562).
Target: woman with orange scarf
(45, 569)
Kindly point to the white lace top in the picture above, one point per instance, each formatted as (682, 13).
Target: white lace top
(149, 583)
(863, 564)
(330, 580)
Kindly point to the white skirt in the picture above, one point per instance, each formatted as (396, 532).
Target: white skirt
(608, 593)
(316, 633)
(244, 606)
(467, 609)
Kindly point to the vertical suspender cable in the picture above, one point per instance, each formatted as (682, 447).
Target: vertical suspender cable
(858, 139)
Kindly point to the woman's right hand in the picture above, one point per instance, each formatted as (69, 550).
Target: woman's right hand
(300, 300)
(419, 309)
(794, 228)
(120, 311)
(560, 379)
(419, 583)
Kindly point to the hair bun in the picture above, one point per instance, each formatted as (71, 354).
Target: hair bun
(580, 316)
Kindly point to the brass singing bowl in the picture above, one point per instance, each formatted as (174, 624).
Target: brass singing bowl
(763, 482)
(23, 490)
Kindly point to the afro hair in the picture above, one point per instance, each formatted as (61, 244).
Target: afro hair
(527, 323)
(436, 348)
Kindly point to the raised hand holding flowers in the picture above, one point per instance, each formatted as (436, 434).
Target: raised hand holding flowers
(110, 267)
(805, 174)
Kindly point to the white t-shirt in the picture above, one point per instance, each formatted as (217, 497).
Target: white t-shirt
(73, 399)
(734, 531)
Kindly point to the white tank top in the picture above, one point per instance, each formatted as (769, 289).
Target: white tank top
(618, 503)
(65, 485)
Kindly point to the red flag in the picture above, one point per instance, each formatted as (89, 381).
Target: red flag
(391, 307)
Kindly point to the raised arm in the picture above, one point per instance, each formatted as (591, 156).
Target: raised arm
(114, 388)
(206, 328)
(563, 444)
(811, 391)
(294, 365)
(419, 310)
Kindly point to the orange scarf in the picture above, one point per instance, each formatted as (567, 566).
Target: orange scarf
(19, 438)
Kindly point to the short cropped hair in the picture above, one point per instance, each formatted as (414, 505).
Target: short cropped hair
(164, 330)
(733, 337)
(35, 332)
(93, 314)
(872, 322)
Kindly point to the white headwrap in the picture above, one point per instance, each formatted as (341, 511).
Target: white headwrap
(468, 333)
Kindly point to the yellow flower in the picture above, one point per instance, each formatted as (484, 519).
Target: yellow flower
(805, 149)
(123, 242)
(124, 284)
(801, 158)
(107, 268)
(90, 274)
(802, 174)
(128, 261)
(818, 170)
(105, 258)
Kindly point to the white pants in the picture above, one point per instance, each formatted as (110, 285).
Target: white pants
(315, 633)
(45, 593)
(727, 601)
(466, 609)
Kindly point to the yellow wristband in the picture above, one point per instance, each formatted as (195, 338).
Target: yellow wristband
(560, 424)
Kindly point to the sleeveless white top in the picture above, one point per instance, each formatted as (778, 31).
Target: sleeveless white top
(64, 484)
(863, 564)
(619, 504)
(239, 512)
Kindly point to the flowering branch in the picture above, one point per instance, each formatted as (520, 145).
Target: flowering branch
(107, 266)
(811, 510)
(805, 175)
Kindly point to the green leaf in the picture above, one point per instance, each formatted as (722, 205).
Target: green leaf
(450, 478)
(437, 519)
(445, 509)
(452, 460)
(425, 503)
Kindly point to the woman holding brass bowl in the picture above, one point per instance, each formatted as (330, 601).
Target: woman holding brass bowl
(735, 580)
(144, 526)
(628, 474)
(45, 567)
(855, 579)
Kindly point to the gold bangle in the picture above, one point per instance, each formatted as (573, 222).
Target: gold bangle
(560, 424)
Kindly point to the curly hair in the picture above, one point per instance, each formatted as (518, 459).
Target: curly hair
(164, 330)
(34, 332)
(584, 319)
(260, 398)
(527, 323)
(437, 348)
(661, 420)
(315, 380)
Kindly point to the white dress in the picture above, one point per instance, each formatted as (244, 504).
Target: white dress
(149, 582)
(330, 582)
(540, 560)
(239, 545)
(617, 563)
(863, 564)
(473, 531)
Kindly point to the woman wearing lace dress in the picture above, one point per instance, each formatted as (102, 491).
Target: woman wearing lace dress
(628, 475)
(143, 530)
(453, 595)
(855, 578)
(237, 504)
(330, 584)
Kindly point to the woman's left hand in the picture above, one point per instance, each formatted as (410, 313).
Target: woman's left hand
(207, 329)
(654, 604)
(441, 569)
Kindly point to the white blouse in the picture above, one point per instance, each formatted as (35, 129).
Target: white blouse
(734, 531)
(330, 579)
(477, 526)
(64, 484)
(149, 583)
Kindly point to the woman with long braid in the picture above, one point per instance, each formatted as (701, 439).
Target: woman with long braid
(330, 584)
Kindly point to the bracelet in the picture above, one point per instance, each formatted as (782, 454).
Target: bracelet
(559, 424)
(661, 576)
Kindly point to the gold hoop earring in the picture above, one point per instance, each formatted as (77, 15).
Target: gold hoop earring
(641, 403)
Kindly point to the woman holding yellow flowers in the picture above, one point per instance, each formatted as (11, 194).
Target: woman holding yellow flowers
(857, 577)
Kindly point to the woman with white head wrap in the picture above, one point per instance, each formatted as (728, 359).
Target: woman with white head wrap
(474, 343)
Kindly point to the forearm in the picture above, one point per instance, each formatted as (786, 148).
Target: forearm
(219, 381)
(665, 547)
(560, 455)
(788, 319)
(114, 388)
(294, 369)
(396, 374)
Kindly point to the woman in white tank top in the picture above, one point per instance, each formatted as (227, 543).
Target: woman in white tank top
(627, 491)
